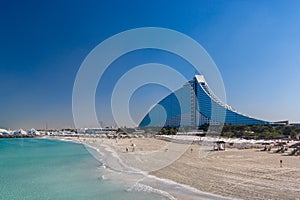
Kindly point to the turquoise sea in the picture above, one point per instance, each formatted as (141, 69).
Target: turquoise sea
(51, 169)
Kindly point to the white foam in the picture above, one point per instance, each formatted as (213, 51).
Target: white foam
(145, 188)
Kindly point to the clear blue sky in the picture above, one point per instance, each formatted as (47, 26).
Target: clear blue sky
(255, 45)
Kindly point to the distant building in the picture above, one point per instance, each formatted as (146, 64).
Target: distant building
(194, 105)
(96, 130)
(296, 125)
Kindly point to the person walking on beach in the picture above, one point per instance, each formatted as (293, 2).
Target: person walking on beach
(280, 163)
(133, 147)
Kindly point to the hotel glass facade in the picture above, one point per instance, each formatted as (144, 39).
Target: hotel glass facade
(193, 105)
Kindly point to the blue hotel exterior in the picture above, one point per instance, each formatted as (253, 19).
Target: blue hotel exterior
(193, 105)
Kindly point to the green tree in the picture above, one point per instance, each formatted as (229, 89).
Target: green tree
(204, 127)
(172, 131)
(286, 130)
(228, 134)
(164, 131)
(293, 134)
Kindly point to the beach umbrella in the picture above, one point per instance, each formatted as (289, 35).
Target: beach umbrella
(295, 145)
(280, 144)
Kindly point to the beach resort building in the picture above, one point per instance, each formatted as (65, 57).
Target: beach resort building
(193, 105)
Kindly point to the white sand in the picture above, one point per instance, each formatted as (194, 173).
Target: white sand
(243, 174)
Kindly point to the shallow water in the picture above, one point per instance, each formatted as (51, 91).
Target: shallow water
(52, 169)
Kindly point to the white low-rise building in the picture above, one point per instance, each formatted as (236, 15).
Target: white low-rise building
(33, 132)
(20, 132)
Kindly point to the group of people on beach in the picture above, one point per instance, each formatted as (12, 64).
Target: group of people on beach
(133, 147)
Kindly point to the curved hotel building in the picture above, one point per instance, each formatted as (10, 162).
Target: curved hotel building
(193, 105)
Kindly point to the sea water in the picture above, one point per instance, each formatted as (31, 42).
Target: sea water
(53, 169)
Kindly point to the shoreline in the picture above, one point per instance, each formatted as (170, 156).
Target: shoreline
(236, 173)
(136, 179)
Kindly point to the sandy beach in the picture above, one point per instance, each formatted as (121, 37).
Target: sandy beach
(244, 174)
(233, 173)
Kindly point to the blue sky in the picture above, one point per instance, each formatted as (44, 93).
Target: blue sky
(255, 45)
